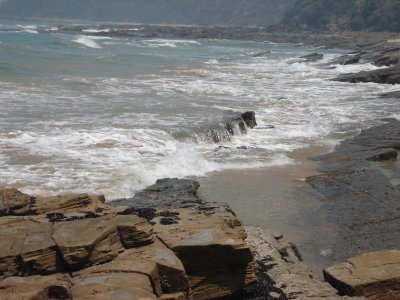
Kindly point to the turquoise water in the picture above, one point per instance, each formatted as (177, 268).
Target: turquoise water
(80, 112)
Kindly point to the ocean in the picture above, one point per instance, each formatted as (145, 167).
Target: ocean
(110, 115)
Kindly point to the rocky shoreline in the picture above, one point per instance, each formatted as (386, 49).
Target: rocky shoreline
(378, 48)
(79, 247)
(175, 245)
(168, 243)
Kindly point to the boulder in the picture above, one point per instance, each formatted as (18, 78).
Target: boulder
(69, 203)
(98, 240)
(206, 237)
(249, 118)
(56, 286)
(39, 252)
(210, 244)
(171, 272)
(159, 264)
(12, 199)
(27, 247)
(375, 275)
(312, 57)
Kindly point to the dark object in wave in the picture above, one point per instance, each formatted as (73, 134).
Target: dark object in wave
(387, 76)
(249, 118)
(395, 94)
(233, 124)
(312, 57)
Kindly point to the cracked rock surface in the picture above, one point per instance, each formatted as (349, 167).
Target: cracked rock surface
(79, 247)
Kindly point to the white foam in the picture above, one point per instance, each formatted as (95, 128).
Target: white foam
(135, 29)
(53, 28)
(28, 28)
(93, 30)
(87, 41)
(169, 43)
(111, 134)
(355, 68)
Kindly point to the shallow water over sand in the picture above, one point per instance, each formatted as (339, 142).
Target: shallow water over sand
(279, 200)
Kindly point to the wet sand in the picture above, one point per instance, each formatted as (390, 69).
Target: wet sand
(279, 200)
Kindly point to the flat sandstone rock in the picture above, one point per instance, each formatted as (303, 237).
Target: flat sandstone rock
(375, 275)
(98, 240)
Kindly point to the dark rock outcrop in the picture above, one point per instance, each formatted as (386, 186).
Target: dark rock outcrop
(234, 123)
(165, 193)
(249, 118)
(388, 76)
(312, 57)
(360, 200)
(395, 94)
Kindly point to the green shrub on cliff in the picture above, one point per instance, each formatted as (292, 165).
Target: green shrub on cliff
(200, 12)
(382, 15)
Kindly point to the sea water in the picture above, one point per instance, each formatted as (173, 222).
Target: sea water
(86, 113)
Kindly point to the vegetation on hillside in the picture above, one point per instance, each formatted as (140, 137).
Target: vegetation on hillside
(382, 15)
(200, 12)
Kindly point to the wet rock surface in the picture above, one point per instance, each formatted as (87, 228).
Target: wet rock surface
(360, 198)
(231, 124)
(389, 76)
(313, 57)
(395, 94)
(165, 193)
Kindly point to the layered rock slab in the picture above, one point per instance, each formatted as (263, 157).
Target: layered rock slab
(375, 275)
(211, 248)
(156, 262)
(56, 286)
(129, 286)
(172, 246)
(360, 198)
(31, 245)
(27, 247)
(206, 237)
(98, 240)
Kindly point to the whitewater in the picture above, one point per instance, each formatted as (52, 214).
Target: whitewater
(108, 115)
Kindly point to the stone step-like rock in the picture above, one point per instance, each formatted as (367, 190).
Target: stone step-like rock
(98, 240)
(56, 286)
(375, 275)
(27, 247)
(132, 286)
(166, 243)
(210, 244)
